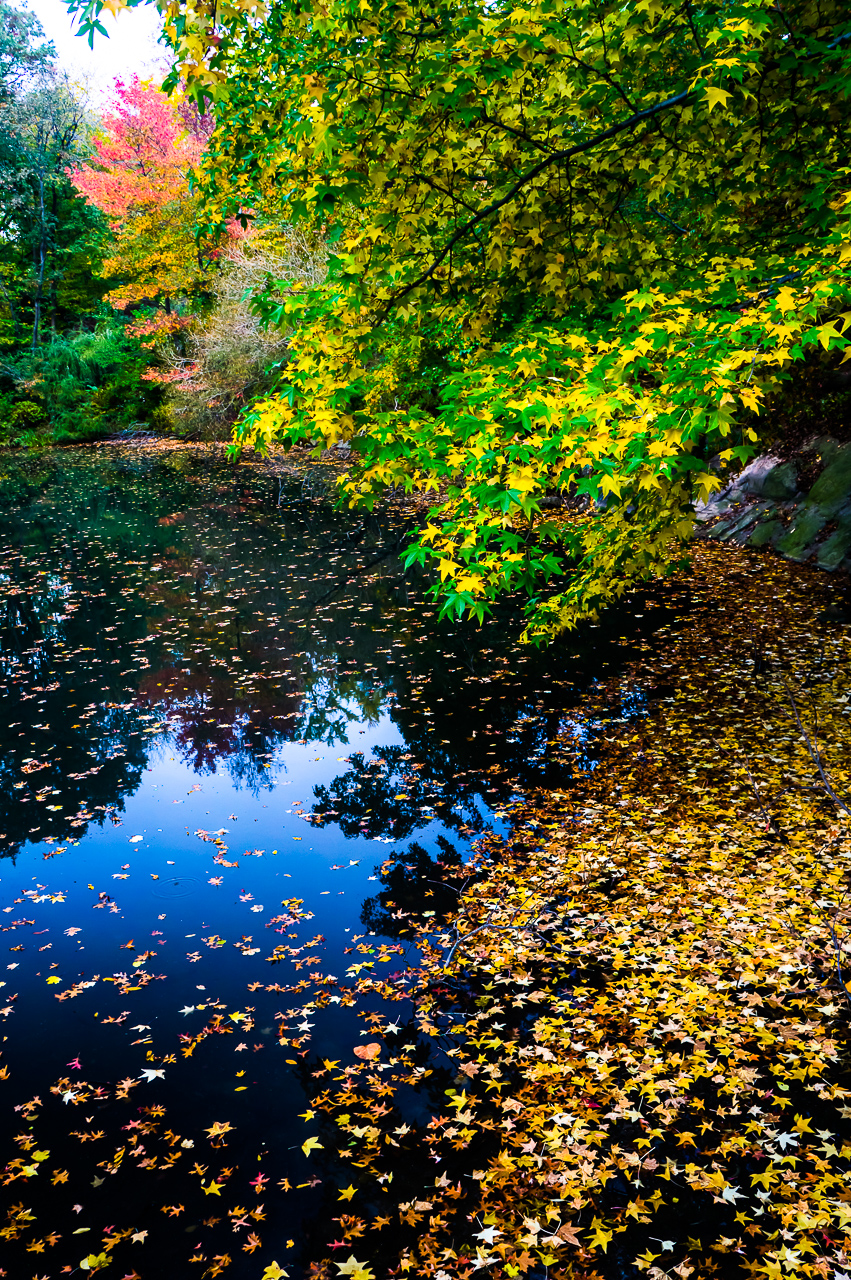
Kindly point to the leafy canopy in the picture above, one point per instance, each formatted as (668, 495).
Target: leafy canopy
(574, 247)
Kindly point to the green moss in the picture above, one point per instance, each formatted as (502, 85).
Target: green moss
(766, 531)
(832, 490)
(781, 482)
(834, 550)
(796, 544)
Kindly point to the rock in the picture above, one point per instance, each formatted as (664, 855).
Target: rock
(796, 544)
(765, 532)
(734, 523)
(754, 508)
(752, 478)
(825, 446)
(832, 490)
(834, 549)
(781, 482)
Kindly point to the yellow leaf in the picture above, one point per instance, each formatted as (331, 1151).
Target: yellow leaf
(347, 1193)
(310, 1145)
(600, 1237)
(785, 299)
(356, 1270)
(714, 96)
(274, 1272)
(608, 484)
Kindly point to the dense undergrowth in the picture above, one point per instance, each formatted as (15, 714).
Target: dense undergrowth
(79, 386)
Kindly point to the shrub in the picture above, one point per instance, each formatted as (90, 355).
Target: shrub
(229, 358)
(78, 387)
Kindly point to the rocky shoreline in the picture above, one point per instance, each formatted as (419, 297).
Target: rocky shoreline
(800, 506)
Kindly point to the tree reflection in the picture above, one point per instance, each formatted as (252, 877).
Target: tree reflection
(223, 613)
(416, 884)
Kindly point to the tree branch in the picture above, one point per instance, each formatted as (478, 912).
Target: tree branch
(566, 153)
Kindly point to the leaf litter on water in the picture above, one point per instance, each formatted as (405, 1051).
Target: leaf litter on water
(585, 1003)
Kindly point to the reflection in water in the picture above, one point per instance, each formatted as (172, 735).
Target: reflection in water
(146, 599)
(416, 884)
(213, 655)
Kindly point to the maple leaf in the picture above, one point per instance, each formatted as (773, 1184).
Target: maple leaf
(488, 1234)
(274, 1272)
(219, 1128)
(600, 1237)
(354, 1269)
(310, 1145)
(715, 96)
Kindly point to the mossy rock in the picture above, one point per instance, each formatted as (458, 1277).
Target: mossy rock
(781, 482)
(832, 490)
(797, 543)
(735, 521)
(834, 549)
(826, 447)
(765, 532)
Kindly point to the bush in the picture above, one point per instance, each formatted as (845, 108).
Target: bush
(77, 387)
(26, 415)
(229, 359)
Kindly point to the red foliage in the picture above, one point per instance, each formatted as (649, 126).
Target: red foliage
(144, 155)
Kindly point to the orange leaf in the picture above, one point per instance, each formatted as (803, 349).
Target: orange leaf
(367, 1051)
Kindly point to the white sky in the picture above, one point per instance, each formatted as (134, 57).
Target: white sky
(131, 47)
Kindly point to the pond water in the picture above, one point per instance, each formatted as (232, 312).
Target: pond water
(224, 702)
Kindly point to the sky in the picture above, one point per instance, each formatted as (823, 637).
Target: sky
(131, 47)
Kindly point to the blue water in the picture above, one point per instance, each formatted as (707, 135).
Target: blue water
(194, 653)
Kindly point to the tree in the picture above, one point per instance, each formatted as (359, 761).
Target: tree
(44, 126)
(576, 245)
(24, 52)
(24, 58)
(139, 177)
(49, 123)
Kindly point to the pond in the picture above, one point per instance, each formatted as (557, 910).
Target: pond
(222, 703)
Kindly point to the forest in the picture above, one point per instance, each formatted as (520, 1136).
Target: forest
(464, 387)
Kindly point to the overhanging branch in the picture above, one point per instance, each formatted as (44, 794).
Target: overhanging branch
(566, 153)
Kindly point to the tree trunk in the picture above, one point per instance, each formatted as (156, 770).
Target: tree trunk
(40, 256)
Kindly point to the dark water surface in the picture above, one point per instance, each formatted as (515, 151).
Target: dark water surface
(222, 703)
